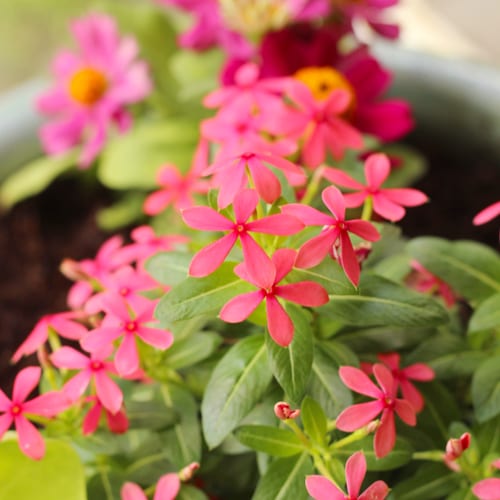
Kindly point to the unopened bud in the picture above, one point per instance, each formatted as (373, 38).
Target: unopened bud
(283, 411)
(72, 270)
(455, 447)
(188, 472)
(372, 426)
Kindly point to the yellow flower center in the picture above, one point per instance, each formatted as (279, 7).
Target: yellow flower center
(323, 81)
(87, 86)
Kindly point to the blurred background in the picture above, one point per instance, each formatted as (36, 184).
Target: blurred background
(31, 30)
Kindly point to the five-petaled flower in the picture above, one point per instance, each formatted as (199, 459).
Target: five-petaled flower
(279, 324)
(387, 202)
(356, 416)
(321, 488)
(335, 229)
(17, 410)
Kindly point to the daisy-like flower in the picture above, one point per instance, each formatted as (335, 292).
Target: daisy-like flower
(387, 202)
(321, 488)
(93, 87)
(212, 256)
(356, 416)
(127, 324)
(335, 229)
(17, 411)
(279, 324)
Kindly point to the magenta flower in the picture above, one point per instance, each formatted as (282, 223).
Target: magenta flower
(93, 88)
(489, 213)
(95, 369)
(335, 229)
(356, 416)
(387, 202)
(279, 324)
(321, 488)
(62, 323)
(46, 405)
(234, 169)
(117, 422)
(167, 488)
(418, 371)
(127, 324)
(212, 256)
(321, 124)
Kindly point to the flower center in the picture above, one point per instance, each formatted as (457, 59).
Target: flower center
(389, 402)
(96, 365)
(131, 326)
(124, 291)
(323, 81)
(87, 86)
(16, 410)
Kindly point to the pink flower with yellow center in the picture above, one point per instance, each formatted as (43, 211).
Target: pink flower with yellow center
(93, 87)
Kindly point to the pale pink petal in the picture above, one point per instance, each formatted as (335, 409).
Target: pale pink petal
(258, 264)
(305, 293)
(266, 183)
(5, 423)
(206, 219)
(337, 102)
(99, 338)
(67, 357)
(301, 94)
(337, 176)
(407, 197)
(67, 328)
(168, 486)
(233, 180)
(487, 489)
(353, 200)
(127, 357)
(279, 324)
(244, 205)
(316, 249)
(308, 215)
(377, 169)
(386, 208)
(340, 135)
(240, 307)
(376, 491)
(208, 259)
(355, 470)
(487, 214)
(282, 163)
(36, 338)
(358, 381)
(405, 411)
(79, 293)
(161, 339)
(278, 225)
(314, 149)
(283, 260)
(385, 435)
(115, 305)
(385, 379)
(349, 261)
(157, 201)
(419, 371)
(108, 392)
(321, 488)
(356, 416)
(363, 229)
(76, 385)
(30, 440)
(25, 382)
(334, 200)
(131, 491)
(49, 404)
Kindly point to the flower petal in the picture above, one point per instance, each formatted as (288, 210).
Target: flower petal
(487, 489)
(305, 293)
(386, 208)
(376, 491)
(67, 357)
(278, 225)
(348, 259)
(321, 488)
(385, 435)
(206, 219)
(108, 392)
(316, 249)
(356, 416)
(244, 205)
(279, 324)
(5, 423)
(358, 381)
(132, 491)
(406, 412)
(377, 169)
(407, 197)
(363, 229)
(127, 358)
(208, 259)
(26, 380)
(161, 339)
(385, 379)
(334, 200)
(168, 486)
(355, 471)
(31, 442)
(240, 307)
(339, 177)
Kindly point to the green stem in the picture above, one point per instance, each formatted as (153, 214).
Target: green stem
(433, 455)
(313, 187)
(298, 432)
(367, 209)
(352, 438)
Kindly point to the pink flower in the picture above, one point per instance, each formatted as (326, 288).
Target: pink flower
(167, 488)
(321, 488)
(235, 168)
(127, 324)
(212, 256)
(93, 88)
(487, 489)
(387, 202)
(359, 415)
(284, 411)
(46, 405)
(62, 323)
(454, 449)
(279, 324)
(117, 422)
(402, 376)
(487, 214)
(335, 229)
(95, 368)
(321, 124)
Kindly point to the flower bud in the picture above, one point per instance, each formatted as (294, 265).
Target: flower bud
(455, 447)
(72, 270)
(283, 411)
(187, 472)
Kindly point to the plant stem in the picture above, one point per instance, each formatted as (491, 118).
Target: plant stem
(367, 209)
(312, 187)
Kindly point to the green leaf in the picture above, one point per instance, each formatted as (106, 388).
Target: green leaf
(314, 420)
(326, 387)
(34, 178)
(237, 383)
(191, 350)
(486, 316)
(429, 482)
(400, 455)
(148, 468)
(124, 212)
(197, 296)
(59, 475)
(285, 479)
(169, 268)
(270, 440)
(105, 485)
(383, 302)
(486, 389)
(471, 269)
(131, 161)
(291, 365)
(188, 492)
(183, 440)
